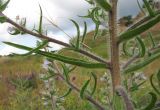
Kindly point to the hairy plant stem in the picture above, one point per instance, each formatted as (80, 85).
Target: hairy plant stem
(115, 63)
(115, 68)
(74, 87)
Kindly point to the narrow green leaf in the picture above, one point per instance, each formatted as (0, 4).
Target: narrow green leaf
(96, 31)
(85, 32)
(140, 7)
(94, 15)
(67, 93)
(64, 59)
(104, 4)
(2, 19)
(48, 77)
(136, 86)
(153, 86)
(78, 33)
(152, 40)
(44, 43)
(142, 64)
(40, 30)
(4, 6)
(125, 49)
(142, 28)
(150, 10)
(73, 68)
(141, 47)
(84, 87)
(95, 83)
(152, 102)
(65, 72)
(158, 77)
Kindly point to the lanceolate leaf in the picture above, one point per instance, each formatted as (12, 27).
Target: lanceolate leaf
(142, 28)
(40, 30)
(103, 4)
(141, 46)
(95, 83)
(78, 33)
(2, 19)
(152, 40)
(65, 72)
(96, 31)
(125, 49)
(3, 6)
(44, 43)
(82, 92)
(64, 59)
(142, 64)
(153, 86)
(152, 102)
(67, 93)
(140, 7)
(85, 32)
(158, 77)
(150, 10)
